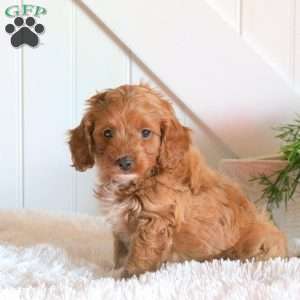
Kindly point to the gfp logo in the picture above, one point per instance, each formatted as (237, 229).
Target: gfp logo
(25, 29)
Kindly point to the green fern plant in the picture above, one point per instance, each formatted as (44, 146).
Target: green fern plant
(281, 185)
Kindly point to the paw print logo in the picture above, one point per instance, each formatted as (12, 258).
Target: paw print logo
(24, 33)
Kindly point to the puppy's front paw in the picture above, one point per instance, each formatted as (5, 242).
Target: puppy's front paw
(122, 273)
(125, 274)
(117, 273)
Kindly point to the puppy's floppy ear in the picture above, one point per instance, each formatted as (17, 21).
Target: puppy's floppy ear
(81, 145)
(175, 141)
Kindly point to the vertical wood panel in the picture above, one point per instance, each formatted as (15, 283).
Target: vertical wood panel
(48, 111)
(100, 65)
(267, 26)
(10, 118)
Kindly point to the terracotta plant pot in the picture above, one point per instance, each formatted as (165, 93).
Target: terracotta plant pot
(242, 170)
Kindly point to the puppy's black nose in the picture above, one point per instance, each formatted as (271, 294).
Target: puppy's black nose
(125, 163)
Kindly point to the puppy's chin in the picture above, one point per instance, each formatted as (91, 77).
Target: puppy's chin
(124, 179)
(121, 180)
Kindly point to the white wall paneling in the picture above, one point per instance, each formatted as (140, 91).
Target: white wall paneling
(48, 111)
(11, 115)
(45, 90)
(270, 28)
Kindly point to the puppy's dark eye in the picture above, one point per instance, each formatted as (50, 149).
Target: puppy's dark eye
(146, 133)
(108, 133)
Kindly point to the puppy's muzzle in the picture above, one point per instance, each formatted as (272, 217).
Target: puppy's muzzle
(125, 163)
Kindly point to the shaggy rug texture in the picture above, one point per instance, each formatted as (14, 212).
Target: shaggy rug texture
(44, 256)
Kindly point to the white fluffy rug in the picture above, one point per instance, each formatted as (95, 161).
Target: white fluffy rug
(45, 256)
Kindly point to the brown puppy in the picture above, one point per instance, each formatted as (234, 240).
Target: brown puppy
(163, 201)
